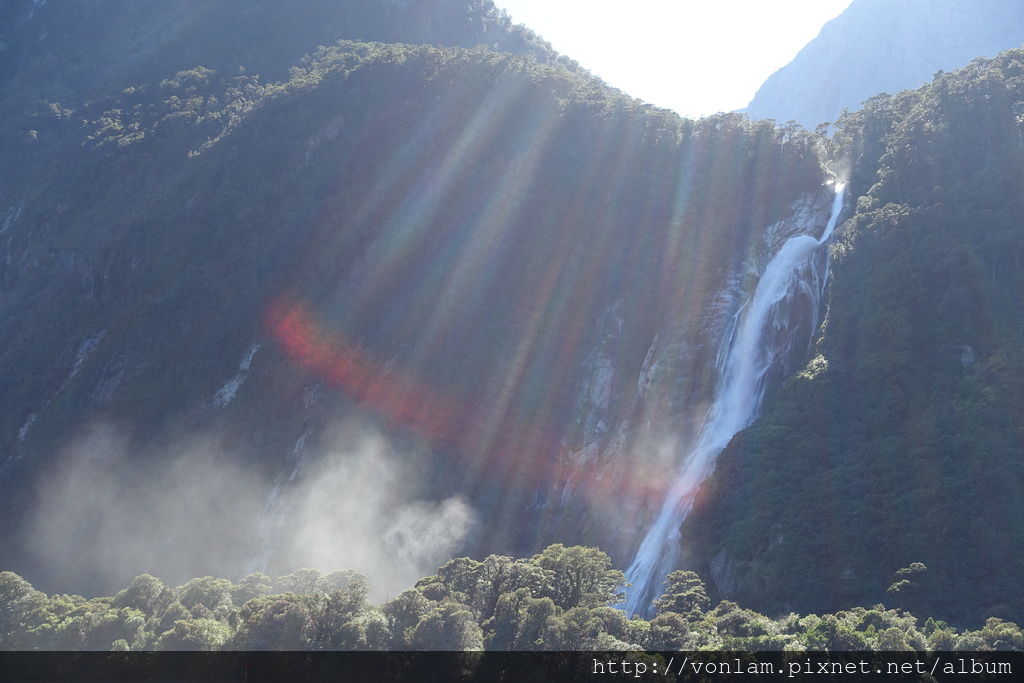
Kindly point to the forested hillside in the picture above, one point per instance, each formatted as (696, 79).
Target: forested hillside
(70, 52)
(903, 438)
(559, 599)
(216, 284)
(377, 284)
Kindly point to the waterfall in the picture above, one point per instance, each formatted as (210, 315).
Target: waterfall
(759, 337)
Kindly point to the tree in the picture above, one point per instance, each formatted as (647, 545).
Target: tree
(448, 626)
(274, 622)
(403, 614)
(345, 580)
(172, 614)
(910, 587)
(208, 591)
(366, 631)
(148, 594)
(195, 634)
(499, 574)
(891, 639)
(733, 620)
(540, 625)
(251, 586)
(1002, 635)
(580, 576)
(17, 598)
(332, 612)
(668, 631)
(458, 579)
(684, 594)
(300, 581)
(502, 628)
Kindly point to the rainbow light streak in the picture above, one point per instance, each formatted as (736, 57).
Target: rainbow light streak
(447, 424)
(418, 244)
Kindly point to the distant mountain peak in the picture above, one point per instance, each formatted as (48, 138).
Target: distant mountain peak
(884, 46)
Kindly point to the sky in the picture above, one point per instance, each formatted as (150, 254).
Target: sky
(697, 57)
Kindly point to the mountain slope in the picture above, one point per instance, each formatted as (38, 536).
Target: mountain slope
(878, 46)
(205, 273)
(62, 51)
(373, 304)
(902, 439)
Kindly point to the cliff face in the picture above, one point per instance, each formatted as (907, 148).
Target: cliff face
(900, 441)
(491, 263)
(884, 46)
(373, 304)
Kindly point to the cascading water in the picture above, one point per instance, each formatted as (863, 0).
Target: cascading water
(759, 338)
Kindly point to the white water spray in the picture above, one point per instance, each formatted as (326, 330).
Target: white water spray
(226, 394)
(759, 337)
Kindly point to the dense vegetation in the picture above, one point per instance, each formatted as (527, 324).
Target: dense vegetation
(903, 439)
(424, 200)
(559, 599)
(488, 182)
(75, 52)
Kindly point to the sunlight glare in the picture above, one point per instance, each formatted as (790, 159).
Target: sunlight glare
(697, 58)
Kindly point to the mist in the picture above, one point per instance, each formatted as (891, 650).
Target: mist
(108, 511)
(358, 506)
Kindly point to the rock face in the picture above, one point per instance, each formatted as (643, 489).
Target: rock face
(260, 310)
(902, 441)
(880, 46)
(218, 257)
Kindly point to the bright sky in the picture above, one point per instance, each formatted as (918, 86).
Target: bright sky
(697, 57)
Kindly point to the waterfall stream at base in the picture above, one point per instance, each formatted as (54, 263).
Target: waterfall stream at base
(758, 339)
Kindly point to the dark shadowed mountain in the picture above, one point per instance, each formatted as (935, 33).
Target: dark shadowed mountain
(902, 440)
(490, 263)
(367, 285)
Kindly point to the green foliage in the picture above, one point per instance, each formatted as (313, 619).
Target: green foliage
(404, 613)
(669, 631)
(70, 622)
(340, 620)
(147, 594)
(335, 615)
(251, 586)
(208, 591)
(17, 600)
(500, 575)
(685, 594)
(912, 410)
(175, 612)
(1001, 635)
(346, 580)
(449, 626)
(196, 196)
(299, 581)
(275, 622)
(580, 576)
(195, 634)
